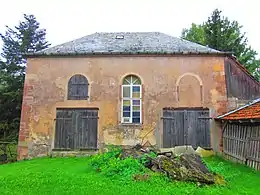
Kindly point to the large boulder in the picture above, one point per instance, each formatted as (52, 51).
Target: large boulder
(186, 167)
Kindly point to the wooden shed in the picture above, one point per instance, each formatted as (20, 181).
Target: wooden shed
(241, 134)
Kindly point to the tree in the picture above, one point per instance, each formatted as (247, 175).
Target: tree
(24, 38)
(195, 34)
(220, 33)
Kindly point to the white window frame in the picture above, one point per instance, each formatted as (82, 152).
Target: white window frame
(131, 85)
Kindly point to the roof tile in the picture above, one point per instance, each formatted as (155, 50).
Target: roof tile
(129, 43)
(250, 112)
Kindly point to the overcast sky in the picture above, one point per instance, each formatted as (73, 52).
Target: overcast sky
(66, 20)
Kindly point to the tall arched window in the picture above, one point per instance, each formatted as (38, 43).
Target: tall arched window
(131, 100)
(78, 88)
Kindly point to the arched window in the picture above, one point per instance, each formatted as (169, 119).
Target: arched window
(131, 100)
(78, 88)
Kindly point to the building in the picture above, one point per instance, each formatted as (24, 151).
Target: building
(241, 134)
(127, 88)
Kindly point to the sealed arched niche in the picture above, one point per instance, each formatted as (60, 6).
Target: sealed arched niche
(189, 90)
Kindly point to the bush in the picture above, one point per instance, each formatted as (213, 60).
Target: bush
(110, 164)
(11, 152)
(146, 158)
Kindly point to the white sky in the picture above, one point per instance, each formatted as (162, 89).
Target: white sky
(66, 20)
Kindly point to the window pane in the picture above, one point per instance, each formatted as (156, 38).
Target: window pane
(126, 114)
(136, 120)
(131, 79)
(127, 80)
(126, 92)
(136, 88)
(136, 114)
(136, 108)
(136, 102)
(126, 102)
(136, 94)
(136, 81)
(126, 120)
(126, 108)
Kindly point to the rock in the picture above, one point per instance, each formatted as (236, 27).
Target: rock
(183, 150)
(194, 162)
(204, 153)
(137, 154)
(137, 151)
(178, 150)
(186, 167)
(165, 150)
(168, 154)
(155, 168)
(137, 147)
(147, 150)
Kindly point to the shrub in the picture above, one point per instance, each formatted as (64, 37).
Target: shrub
(110, 164)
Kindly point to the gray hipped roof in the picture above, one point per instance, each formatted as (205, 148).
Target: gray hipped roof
(127, 43)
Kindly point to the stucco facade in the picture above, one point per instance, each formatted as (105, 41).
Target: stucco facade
(167, 81)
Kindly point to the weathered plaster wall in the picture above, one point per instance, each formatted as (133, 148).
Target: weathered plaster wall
(167, 82)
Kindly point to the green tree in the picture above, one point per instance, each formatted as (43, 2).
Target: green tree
(195, 34)
(220, 33)
(26, 37)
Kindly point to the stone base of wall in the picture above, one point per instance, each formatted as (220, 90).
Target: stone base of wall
(72, 153)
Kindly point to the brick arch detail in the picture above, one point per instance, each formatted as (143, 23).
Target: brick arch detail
(188, 74)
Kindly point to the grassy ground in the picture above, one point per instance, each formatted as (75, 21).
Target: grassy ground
(75, 176)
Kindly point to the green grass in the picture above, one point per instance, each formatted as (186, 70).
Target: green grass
(76, 176)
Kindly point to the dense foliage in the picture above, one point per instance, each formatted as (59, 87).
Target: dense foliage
(220, 33)
(26, 37)
(112, 164)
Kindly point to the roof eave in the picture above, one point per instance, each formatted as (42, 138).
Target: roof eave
(34, 55)
(240, 120)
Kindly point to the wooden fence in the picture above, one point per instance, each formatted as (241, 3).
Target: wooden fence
(241, 143)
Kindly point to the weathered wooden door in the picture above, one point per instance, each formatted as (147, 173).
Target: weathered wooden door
(76, 128)
(188, 126)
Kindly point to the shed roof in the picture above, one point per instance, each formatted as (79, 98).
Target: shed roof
(248, 111)
(127, 43)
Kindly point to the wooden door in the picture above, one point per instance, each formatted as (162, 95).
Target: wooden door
(188, 126)
(76, 128)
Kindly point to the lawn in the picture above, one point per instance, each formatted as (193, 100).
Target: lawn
(76, 176)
